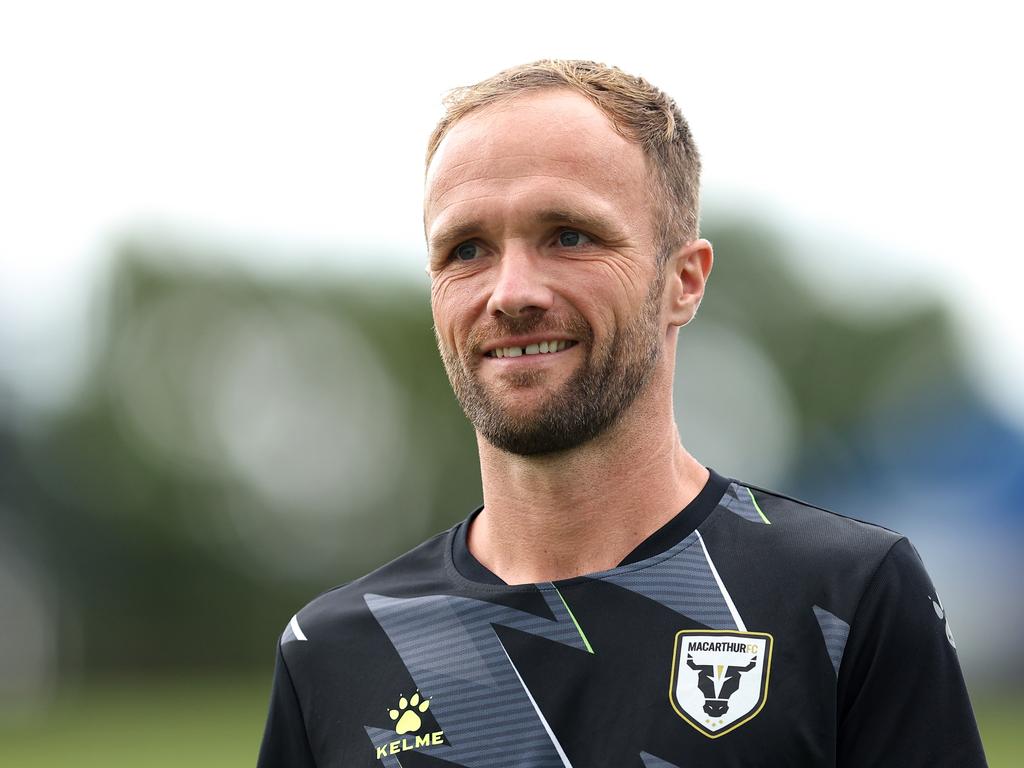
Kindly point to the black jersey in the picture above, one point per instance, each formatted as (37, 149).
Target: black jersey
(751, 630)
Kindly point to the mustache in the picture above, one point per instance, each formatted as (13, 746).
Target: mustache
(576, 327)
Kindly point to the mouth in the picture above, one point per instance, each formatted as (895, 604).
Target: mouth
(531, 350)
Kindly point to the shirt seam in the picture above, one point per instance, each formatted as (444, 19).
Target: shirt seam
(871, 580)
(856, 611)
(298, 703)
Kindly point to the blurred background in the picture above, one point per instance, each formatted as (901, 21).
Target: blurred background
(219, 391)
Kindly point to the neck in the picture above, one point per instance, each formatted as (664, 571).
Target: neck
(583, 510)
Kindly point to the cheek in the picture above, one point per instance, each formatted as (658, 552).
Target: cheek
(623, 279)
(451, 303)
(604, 293)
(441, 298)
(457, 294)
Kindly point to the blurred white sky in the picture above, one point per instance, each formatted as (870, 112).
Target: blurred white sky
(891, 129)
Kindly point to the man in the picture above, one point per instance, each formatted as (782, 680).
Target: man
(613, 602)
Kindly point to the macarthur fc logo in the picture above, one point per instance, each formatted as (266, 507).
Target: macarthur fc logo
(719, 678)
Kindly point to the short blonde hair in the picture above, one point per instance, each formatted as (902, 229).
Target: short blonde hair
(638, 111)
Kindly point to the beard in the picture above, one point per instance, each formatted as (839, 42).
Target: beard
(589, 402)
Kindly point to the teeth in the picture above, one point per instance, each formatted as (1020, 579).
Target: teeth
(540, 348)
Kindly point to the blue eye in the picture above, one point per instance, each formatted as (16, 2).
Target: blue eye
(570, 238)
(466, 251)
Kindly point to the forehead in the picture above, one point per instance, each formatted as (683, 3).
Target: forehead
(553, 143)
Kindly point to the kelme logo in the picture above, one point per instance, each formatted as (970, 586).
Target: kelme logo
(407, 720)
(719, 678)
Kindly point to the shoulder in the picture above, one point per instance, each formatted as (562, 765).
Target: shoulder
(341, 612)
(803, 530)
(765, 544)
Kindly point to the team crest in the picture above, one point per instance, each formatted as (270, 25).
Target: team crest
(719, 678)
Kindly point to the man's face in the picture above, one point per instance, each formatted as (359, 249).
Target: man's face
(540, 228)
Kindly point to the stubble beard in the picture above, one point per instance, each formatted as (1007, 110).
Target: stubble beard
(589, 402)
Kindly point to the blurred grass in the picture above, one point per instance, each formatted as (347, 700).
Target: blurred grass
(204, 724)
(1000, 721)
(197, 723)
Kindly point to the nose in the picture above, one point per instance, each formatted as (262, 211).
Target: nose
(521, 284)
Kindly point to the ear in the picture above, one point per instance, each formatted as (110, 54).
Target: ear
(689, 268)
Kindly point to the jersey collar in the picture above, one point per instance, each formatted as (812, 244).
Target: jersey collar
(666, 537)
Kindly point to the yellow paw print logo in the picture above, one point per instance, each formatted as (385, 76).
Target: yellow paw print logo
(406, 715)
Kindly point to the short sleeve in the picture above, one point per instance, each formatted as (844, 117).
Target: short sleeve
(285, 743)
(902, 698)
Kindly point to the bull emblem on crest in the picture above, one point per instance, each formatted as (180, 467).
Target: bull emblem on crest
(719, 678)
(716, 704)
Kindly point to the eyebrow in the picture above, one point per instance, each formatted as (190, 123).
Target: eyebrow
(463, 229)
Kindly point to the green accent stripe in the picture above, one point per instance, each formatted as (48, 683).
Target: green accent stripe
(766, 520)
(578, 627)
